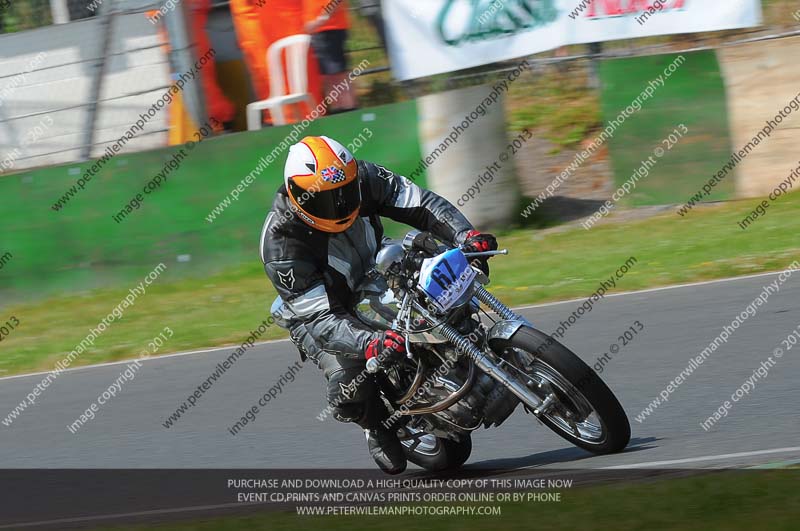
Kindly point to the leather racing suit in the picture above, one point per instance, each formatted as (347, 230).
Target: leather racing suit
(320, 278)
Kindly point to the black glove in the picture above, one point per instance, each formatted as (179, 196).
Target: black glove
(389, 346)
(477, 242)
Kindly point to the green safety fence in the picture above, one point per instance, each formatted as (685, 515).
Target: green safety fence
(82, 247)
(694, 95)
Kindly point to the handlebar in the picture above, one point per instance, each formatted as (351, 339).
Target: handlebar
(486, 253)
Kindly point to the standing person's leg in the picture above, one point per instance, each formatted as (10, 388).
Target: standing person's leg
(219, 107)
(329, 48)
(250, 35)
(371, 10)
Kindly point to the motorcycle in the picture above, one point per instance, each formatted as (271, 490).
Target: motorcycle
(471, 360)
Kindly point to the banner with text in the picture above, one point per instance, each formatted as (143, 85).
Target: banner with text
(435, 36)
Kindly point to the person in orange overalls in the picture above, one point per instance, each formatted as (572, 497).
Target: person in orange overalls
(253, 42)
(182, 126)
(327, 22)
(258, 24)
(218, 106)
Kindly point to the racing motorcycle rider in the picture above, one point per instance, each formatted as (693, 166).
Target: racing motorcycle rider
(318, 243)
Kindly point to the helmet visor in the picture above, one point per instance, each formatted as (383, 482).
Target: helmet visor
(328, 204)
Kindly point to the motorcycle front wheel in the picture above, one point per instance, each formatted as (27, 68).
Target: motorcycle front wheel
(578, 406)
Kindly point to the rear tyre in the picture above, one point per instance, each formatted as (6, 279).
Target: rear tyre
(585, 411)
(436, 453)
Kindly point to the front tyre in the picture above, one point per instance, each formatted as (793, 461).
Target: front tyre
(581, 408)
(436, 453)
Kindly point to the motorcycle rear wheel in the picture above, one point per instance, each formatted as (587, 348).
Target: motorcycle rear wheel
(436, 453)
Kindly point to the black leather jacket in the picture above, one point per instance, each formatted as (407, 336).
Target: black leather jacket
(318, 274)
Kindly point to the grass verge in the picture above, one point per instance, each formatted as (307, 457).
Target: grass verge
(720, 501)
(542, 266)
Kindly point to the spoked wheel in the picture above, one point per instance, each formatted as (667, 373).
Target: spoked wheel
(435, 453)
(577, 404)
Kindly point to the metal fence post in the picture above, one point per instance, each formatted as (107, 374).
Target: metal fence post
(59, 11)
(182, 58)
(109, 11)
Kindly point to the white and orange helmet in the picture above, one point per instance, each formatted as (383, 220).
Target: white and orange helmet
(321, 179)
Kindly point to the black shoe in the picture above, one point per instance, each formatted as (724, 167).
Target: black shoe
(386, 449)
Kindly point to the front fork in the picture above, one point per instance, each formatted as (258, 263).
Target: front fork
(483, 295)
(463, 345)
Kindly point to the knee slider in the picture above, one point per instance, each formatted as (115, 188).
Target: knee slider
(352, 412)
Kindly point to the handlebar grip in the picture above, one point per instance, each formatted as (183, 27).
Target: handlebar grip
(424, 241)
(373, 365)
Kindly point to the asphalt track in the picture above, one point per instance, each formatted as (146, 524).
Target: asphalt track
(679, 322)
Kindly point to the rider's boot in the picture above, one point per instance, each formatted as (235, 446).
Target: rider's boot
(384, 446)
(386, 450)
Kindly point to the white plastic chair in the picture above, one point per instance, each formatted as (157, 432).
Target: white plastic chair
(296, 47)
